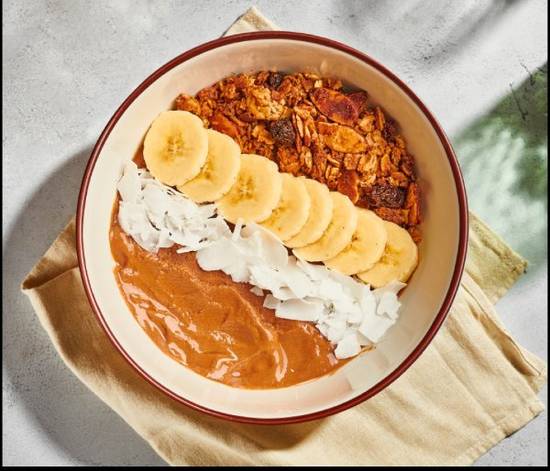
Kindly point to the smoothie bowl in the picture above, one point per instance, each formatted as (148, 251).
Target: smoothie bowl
(272, 228)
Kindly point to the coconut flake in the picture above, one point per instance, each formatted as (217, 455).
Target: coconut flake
(237, 230)
(374, 327)
(355, 314)
(299, 310)
(217, 256)
(271, 251)
(156, 200)
(164, 240)
(296, 280)
(388, 305)
(238, 272)
(257, 291)
(392, 287)
(129, 185)
(270, 302)
(336, 328)
(315, 272)
(347, 347)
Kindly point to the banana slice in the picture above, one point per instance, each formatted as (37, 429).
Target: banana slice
(366, 248)
(175, 147)
(398, 261)
(338, 234)
(220, 171)
(319, 218)
(292, 211)
(256, 192)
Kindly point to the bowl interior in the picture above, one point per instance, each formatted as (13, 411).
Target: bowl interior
(422, 299)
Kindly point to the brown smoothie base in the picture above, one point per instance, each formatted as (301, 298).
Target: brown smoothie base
(212, 325)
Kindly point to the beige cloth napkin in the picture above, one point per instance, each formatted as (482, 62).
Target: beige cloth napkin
(473, 386)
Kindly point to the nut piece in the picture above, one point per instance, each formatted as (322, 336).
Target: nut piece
(348, 184)
(335, 105)
(282, 132)
(319, 158)
(223, 124)
(386, 196)
(342, 138)
(359, 100)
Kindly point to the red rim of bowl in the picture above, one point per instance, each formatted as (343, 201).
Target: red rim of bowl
(461, 194)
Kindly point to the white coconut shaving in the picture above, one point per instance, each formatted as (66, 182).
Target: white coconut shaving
(157, 216)
(346, 311)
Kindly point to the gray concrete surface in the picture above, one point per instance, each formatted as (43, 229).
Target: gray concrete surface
(69, 64)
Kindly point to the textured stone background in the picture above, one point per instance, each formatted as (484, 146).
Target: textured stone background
(479, 65)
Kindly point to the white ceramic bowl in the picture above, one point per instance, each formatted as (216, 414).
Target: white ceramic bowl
(426, 300)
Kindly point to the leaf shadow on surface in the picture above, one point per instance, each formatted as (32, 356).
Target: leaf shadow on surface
(70, 415)
(504, 159)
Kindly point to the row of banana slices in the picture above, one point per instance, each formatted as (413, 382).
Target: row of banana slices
(318, 224)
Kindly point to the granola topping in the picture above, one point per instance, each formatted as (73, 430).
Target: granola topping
(310, 125)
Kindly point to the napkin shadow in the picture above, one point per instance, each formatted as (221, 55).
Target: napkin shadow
(69, 413)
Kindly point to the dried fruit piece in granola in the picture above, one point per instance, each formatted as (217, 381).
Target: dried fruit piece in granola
(282, 132)
(386, 196)
(275, 79)
(348, 184)
(335, 105)
(342, 138)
